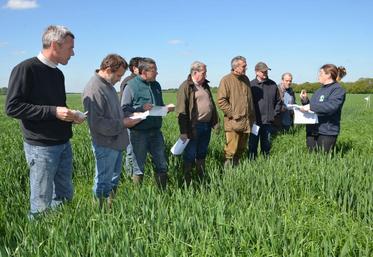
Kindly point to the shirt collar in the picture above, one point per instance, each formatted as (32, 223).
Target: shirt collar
(46, 61)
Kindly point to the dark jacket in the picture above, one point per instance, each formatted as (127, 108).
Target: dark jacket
(137, 93)
(186, 107)
(267, 100)
(327, 103)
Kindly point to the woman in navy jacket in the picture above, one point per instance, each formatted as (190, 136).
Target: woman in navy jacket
(327, 103)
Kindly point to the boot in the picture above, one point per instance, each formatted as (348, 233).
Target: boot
(103, 203)
(228, 164)
(161, 180)
(201, 169)
(236, 160)
(111, 197)
(187, 168)
(137, 179)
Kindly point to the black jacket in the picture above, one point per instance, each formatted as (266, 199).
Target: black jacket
(267, 100)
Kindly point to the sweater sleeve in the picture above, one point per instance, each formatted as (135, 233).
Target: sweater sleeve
(96, 104)
(17, 103)
(331, 105)
(223, 99)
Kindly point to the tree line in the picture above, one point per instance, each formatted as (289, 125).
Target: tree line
(361, 86)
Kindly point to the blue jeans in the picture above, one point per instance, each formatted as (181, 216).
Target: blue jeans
(197, 147)
(144, 141)
(131, 163)
(50, 175)
(265, 141)
(108, 170)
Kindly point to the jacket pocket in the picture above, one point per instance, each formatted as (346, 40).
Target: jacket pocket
(239, 125)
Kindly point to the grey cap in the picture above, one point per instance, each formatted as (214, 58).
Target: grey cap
(261, 66)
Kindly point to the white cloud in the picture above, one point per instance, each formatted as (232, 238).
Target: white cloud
(186, 53)
(3, 44)
(19, 52)
(21, 4)
(175, 42)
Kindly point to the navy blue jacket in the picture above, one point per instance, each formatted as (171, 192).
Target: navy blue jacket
(267, 100)
(327, 103)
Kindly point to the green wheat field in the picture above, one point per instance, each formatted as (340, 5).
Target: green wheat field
(292, 204)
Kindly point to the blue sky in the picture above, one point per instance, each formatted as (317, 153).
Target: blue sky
(296, 36)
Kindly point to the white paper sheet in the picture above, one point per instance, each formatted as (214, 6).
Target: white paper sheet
(293, 106)
(179, 147)
(80, 114)
(158, 111)
(140, 115)
(305, 117)
(255, 129)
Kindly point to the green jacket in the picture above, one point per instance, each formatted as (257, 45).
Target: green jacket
(139, 92)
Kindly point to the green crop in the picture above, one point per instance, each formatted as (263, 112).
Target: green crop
(292, 204)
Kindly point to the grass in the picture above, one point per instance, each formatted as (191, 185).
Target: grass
(293, 204)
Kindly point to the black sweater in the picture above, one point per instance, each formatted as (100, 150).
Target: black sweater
(34, 92)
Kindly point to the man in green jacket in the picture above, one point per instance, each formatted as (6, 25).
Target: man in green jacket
(141, 94)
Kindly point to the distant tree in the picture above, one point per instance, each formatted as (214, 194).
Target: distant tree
(3, 90)
(361, 86)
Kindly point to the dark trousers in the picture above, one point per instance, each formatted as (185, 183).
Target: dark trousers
(321, 142)
(265, 141)
(197, 146)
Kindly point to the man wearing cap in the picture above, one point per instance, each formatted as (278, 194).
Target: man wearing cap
(267, 105)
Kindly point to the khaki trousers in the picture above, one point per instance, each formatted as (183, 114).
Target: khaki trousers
(235, 145)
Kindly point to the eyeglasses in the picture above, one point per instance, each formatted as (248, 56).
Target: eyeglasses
(152, 70)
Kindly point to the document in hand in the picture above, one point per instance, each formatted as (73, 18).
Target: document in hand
(140, 115)
(158, 111)
(305, 117)
(293, 106)
(179, 147)
(255, 129)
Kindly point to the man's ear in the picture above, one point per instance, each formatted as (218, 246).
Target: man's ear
(108, 70)
(55, 45)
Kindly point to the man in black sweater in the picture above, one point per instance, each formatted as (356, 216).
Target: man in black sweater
(37, 97)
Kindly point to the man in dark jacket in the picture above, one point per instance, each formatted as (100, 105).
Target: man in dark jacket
(267, 104)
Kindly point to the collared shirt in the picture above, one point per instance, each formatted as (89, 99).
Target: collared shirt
(46, 61)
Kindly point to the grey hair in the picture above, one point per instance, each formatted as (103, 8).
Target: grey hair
(145, 64)
(196, 66)
(235, 61)
(286, 73)
(55, 33)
